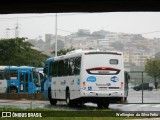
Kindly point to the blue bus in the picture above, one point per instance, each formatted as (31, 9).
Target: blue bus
(40, 70)
(22, 79)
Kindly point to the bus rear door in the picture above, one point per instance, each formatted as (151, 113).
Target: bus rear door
(24, 82)
(3, 82)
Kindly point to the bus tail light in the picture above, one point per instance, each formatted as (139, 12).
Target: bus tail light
(103, 71)
(122, 84)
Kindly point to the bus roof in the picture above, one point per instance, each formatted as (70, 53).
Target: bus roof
(19, 68)
(76, 53)
(40, 69)
(2, 67)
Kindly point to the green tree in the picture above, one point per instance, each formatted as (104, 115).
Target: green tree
(152, 68)
(19, 52)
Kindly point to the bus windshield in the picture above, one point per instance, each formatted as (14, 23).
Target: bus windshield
(36, 79)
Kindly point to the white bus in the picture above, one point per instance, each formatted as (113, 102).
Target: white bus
(85, 76)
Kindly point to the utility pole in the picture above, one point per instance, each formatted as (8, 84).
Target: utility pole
(17, 30)
(56, 35)
(7, 32)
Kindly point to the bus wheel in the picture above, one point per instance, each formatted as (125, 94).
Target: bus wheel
(100, 105)
(103, 105)
(52, 101)
(106, 105)
(12, 90)
(125, 99)
(67, 97)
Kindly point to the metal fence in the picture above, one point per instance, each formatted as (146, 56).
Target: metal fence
(143, 88)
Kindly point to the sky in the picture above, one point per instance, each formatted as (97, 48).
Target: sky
(34, 25)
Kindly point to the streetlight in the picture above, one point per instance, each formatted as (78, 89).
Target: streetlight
(56, 35)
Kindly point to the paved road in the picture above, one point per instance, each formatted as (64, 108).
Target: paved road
(148, 96)
(134, 97)
(61, 105)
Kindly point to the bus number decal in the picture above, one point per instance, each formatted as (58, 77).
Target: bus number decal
(114, 79)
(91, 79)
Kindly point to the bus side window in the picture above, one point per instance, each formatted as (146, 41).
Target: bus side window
(71, 66)
(55, 69)
(60, 67)
(2, 75)
(66, 68)
(22, 77)
(77, 65)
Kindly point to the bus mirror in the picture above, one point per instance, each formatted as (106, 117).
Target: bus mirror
(129, 77)
(44, 70)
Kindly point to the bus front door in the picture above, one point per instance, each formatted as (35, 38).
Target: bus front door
(24, 79)
(3, 82)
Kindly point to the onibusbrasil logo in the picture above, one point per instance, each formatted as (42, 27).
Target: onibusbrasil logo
(20, 114)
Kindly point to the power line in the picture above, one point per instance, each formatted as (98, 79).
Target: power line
(42, 16)
(65, 31)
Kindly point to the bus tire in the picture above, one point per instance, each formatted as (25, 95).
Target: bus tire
(103, 104)
(106, 105)
(52, 101)
(69, 102)
(67, 97)
(12, 89)
(100, 105)
(125, 99)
